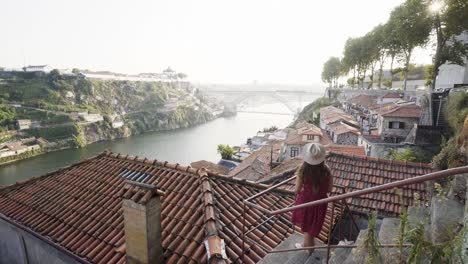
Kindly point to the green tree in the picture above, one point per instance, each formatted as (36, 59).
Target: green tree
(270, 129)
(412, 25)
(355, 58)
(429, 69)
(75, 70)
(449, 19)
(7, 116)
(371, 52)
(53, 76)
(181, 75)
(226, 151)
(458, 109)
(331, 71)
(406, 155)
(392, 45)
(379, 34)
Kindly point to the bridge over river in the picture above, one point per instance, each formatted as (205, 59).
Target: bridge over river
(232, 99)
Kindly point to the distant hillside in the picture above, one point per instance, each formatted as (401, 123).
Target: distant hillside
(77, 93)
(142, 106)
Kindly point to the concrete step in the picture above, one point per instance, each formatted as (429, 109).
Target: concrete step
(283, 257)
(418, 215)
(318, 257)
(388, 234)
(303, 256)
(339, 255)
(357, 256)
(446, 218)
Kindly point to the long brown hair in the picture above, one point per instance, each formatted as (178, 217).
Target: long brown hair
(314, 174)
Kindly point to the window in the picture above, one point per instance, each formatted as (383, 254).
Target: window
(310, 137)
(134, 175)
(396, 124)
(294, 152)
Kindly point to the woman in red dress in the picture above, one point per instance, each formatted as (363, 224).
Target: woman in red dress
(312, 183)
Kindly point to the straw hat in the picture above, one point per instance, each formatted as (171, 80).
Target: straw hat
(314, 153)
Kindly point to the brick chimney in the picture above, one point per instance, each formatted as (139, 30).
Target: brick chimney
(142, 224)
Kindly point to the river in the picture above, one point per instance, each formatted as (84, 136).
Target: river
(176, 146)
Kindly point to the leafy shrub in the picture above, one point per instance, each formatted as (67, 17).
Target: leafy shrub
(226, 151)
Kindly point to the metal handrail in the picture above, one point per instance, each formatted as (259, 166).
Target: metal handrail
(383, 187)
(342, 197)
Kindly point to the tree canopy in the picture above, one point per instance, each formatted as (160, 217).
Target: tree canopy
(411, 24)
(331, 71)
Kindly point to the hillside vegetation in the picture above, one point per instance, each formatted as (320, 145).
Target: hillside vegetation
(77, 93)
(50, 98)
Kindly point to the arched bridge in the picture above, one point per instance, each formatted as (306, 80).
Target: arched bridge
(231, 105)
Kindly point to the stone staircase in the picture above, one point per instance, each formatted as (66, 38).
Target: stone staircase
(292, 257)
(445, 213)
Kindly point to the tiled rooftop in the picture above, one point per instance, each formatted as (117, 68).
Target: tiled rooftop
(346, 149)
(364, 100)
(257, 164)
(391, 95)
(341, 128)
(410, 110)
(295, 137)
(210, 166)
(360, 172)
(331, 114)
(80, 208)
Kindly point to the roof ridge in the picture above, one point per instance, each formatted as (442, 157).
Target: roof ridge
(154, 162)
(245, 182)
(213, 242)
(50, 173)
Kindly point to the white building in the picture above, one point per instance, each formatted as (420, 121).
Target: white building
(23, 124)
(451, 75)
(93, 118)
(38, 68)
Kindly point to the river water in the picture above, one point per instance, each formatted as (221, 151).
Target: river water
(177, 146)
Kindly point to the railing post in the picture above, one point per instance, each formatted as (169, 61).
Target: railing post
(330, 231)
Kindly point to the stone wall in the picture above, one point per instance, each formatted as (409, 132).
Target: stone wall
(346, 139)
(18, 246)
(383, 150)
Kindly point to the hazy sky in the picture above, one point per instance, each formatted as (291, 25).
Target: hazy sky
(232, 41)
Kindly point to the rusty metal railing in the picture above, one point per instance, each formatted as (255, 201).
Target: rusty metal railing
(337, 199)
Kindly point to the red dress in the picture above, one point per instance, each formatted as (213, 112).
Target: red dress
(310, 219)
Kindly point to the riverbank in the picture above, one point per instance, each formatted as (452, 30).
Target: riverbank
(183, 146)
(99, 132)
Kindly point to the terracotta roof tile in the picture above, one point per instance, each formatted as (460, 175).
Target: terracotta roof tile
(342, 128)
(391, 95)
(295, 137)
(257, 164)
(360, 172)
(346, 149)
(364, 100)
(410, 110)
(331, 114)
(79, 208)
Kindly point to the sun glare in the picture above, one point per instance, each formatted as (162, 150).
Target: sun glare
(435, 6)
